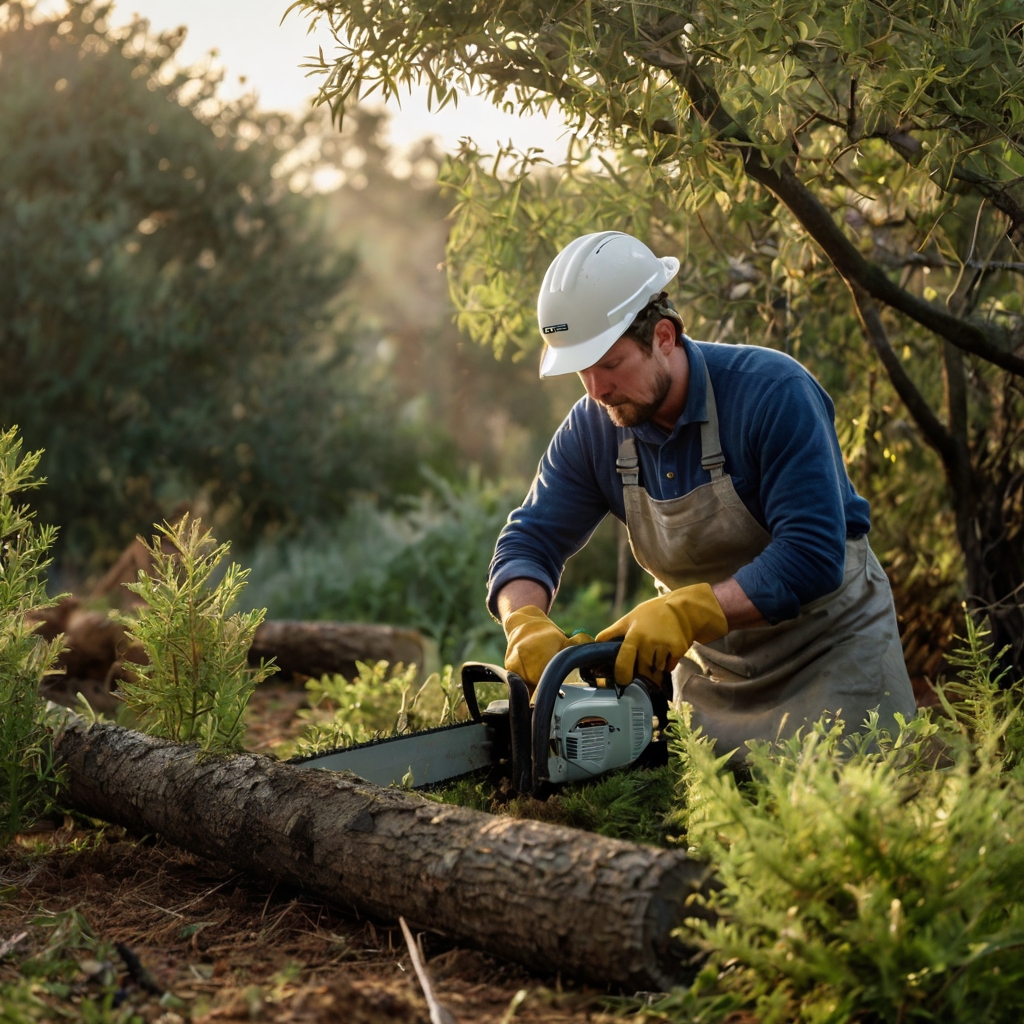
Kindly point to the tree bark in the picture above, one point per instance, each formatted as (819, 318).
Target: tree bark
(993, 546)
(320, 648)
(551, 898)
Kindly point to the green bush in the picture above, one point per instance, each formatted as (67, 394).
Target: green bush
(28, 779)
(631, 805)
(382, 701)
(424, 567)
(197, 682)
(173, 321)
(870, 878)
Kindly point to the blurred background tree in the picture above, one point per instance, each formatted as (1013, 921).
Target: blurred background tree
(843, 180)
(207, 304)
(173, 322)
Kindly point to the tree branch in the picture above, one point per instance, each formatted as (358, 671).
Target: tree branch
(927, 422)
(998, 194)
(996, 191)
(956, 392)
(892, 259)
(817, 221)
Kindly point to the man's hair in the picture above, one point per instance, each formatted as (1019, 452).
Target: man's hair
(641, 330)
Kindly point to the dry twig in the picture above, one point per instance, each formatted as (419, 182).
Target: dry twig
(438, 1013)
(7, 946)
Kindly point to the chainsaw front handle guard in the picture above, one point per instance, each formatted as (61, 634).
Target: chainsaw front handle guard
(519, 712)
(581, 656)
(474, 672)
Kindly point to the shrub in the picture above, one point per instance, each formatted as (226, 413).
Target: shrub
(626, 804)
(425, 567)
(174, 318)
(198, 680)
(866, 878)
(381, 701)
(28, 778)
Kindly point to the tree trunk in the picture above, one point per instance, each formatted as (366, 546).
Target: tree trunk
(986, 493)
(551, 898)
(320, 648)
(994, 555)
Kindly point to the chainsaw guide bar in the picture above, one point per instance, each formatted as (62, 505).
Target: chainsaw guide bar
(569, 733)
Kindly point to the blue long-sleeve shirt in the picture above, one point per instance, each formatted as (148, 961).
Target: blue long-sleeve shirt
(777, 429)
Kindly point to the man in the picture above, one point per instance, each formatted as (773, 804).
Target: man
(724, 464)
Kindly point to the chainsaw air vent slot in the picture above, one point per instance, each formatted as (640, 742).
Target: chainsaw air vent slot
(639, 732)
(588, 740)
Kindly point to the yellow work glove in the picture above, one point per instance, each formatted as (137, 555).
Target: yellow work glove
(533, 640)
(659, 632)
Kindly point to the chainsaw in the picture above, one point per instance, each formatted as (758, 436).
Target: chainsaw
(570, 733)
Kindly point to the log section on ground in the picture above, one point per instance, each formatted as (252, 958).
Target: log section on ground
(320, 648)
(98, 654)
(551, 898)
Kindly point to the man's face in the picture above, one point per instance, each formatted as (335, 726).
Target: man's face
(630, 382)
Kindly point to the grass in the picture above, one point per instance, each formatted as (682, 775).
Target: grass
(631, 805)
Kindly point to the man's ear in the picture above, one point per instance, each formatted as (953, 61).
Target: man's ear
(665, 335)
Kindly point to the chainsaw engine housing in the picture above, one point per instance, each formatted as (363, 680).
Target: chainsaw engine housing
(594, 730)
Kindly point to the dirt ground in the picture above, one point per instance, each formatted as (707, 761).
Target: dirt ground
(221, 947)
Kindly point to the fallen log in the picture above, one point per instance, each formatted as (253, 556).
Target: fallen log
(98, 654)
(551, 898)
(321, 648)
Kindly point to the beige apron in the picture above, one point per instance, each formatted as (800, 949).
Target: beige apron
(841, 654)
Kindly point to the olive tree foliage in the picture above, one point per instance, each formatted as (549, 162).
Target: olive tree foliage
(172, 318)
(845, 179)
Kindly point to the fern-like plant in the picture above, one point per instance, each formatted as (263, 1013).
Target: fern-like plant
(382, 701)
(28, 779)
(870, 878)
(198, 680)
(986, 709)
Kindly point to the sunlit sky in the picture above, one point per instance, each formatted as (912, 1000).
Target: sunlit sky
(255, 45)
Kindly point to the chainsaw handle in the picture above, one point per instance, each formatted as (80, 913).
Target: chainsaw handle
(474, 672)
(579, 656)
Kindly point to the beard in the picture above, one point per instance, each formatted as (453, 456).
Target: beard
(631, 413)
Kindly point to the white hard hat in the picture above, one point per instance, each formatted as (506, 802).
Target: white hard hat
(592, 291)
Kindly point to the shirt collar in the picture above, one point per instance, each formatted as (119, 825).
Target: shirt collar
(696, 408)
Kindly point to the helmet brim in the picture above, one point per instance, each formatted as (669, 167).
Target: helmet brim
(574, 358)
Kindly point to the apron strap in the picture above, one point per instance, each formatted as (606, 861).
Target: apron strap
(711, 457)
(627, 465)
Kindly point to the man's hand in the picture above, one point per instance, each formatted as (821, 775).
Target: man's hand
(660, 631)
(533, 640)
